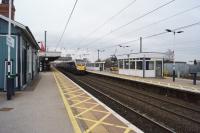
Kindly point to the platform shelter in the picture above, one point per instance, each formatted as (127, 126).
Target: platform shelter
(147, 64)
(97, 66)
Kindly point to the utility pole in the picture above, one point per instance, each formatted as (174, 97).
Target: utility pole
(45, 40)
(9, 83)
(98, 55)
(140, 44)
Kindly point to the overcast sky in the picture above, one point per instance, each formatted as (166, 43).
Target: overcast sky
(52, 15)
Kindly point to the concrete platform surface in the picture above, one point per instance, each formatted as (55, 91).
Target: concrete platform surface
(180, 84)
(40, 110)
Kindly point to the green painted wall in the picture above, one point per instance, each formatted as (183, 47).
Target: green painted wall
(4, 28)
(4, 56)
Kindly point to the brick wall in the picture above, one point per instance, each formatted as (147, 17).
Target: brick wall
(4, 10)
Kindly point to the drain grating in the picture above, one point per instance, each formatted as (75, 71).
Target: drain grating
(6, 109)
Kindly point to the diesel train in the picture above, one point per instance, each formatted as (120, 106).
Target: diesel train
(76, 66)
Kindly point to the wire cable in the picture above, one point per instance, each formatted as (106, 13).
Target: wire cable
(67, 23)
(157, 34)
(162, 20)
(134, 20)
(108, 20)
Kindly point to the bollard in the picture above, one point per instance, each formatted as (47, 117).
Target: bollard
(10, 86)
(195, 79)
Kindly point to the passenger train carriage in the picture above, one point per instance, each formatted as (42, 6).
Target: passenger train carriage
(76, 66)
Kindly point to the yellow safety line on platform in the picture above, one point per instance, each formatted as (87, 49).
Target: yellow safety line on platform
(98, 122)
(80, 102)
(127, 130)
(75, 96)
(95, 110)
(91, 103)
(103, 123)
(69, 92)
(67, 106)
(88, 110)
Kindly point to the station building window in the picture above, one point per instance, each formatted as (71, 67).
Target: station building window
(139, 65)
(96, 65)
(132, 64)
(126, 63)
(149, 65)
(121, 64)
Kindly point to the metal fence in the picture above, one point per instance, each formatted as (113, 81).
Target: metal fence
(182, 69)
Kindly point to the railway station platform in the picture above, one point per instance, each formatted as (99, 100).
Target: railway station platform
(55, 104)
(39, 109)
(87, 113)
(179, 84)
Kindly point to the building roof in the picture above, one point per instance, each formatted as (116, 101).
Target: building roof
(157, 55)
(25, 29)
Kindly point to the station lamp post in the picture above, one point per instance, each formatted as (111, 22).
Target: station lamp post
(174, 33)
(99, 53)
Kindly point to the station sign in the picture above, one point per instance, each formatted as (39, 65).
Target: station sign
(10, 42)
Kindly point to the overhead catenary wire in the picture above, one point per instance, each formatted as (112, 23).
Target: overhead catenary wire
(67, 23)
(164, 19)
(157, 34)
(130, 22)
(109, 19)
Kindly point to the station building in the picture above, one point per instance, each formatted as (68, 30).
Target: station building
(97, 66)
(146, 64)
(24, 54)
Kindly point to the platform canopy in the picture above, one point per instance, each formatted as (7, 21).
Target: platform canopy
(50, 56)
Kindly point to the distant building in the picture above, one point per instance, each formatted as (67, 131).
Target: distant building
(146, 64)
(24, 54)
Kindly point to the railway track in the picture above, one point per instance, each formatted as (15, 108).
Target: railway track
(162, 104)
(124, 100)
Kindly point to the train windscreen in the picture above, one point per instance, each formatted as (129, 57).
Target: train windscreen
(80, 62)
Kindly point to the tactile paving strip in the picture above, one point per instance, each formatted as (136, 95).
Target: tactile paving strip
(86, 113)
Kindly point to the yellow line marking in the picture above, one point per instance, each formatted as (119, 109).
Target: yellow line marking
(87, 110)
(91, 103)
(95, 110)
(69, 90)
(75, 96)
(103, 123)
(80, 102)
(127, 130)
(96, 124)
(86, 119)
(75, 100)
(72, 118)
(73, 91)
(106, 112)
(79, 107)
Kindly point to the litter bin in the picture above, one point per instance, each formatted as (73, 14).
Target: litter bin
(10, 86)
